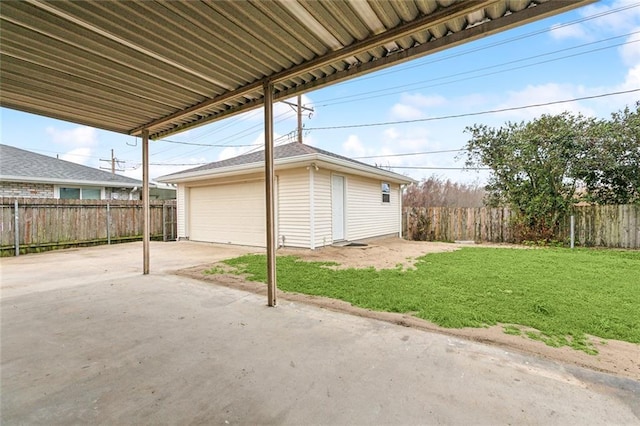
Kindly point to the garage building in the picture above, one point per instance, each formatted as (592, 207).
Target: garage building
(320, 198)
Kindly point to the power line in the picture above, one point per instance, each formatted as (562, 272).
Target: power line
(212, 145)
(439, 168)
(471, 114)
(245, 132)
(409, 154)
(400, 88)
(177, 164)
(494, 44)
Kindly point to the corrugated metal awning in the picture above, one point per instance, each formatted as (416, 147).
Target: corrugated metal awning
(166, 66)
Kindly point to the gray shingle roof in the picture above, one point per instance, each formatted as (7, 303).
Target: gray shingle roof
(16, 163)
(293, 149)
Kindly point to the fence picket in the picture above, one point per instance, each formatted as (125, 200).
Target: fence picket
(51, 223)
(603, 226)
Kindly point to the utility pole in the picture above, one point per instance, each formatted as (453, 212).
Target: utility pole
(299, 108)
(300, 118)
(113, 162)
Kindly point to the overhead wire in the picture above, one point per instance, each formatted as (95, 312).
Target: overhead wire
(418, 84)
(431, 60)
(365, 96)
(443, 58)
(409, 154)
(472, 114)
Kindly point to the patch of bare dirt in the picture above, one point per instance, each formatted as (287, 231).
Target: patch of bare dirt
(616, 357)
(386, 253)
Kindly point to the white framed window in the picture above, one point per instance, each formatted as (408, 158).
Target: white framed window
(79, 193)
(386, 192)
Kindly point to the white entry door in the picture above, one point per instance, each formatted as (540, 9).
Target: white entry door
(337, 207)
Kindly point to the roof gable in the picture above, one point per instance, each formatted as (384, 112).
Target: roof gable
(290, 151)
(16, 163)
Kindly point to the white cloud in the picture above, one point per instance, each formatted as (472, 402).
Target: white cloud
(391, 133)
(79, 141)
(353, 147)
(82, 136)
(630, 52)
(405, 112)
(631, 81)
(542, 94)
(412, 106)
(78, 155)
(610, 21)
(570, 31)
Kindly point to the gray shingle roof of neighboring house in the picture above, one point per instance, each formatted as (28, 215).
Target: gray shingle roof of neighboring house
(293, 149)
(20, 165)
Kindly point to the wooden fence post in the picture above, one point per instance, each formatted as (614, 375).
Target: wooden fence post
(16, 230)
(164, 221)
(108, 224)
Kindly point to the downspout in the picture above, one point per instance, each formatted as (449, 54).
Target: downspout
(400, 212)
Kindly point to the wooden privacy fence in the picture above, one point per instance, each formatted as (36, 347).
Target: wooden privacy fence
(459, 223)
(46, 224)
(595, 226)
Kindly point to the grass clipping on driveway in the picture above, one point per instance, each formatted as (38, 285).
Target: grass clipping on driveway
(564, 295)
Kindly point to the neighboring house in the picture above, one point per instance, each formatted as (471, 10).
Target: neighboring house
(162, 191)
(320, 198)
(27, 174)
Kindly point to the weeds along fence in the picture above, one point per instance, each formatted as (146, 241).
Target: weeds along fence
(595, 226)
(45, 224)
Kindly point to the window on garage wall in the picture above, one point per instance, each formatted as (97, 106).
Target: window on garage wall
(386, 192)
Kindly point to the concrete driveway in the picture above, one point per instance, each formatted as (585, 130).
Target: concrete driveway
(87, 339)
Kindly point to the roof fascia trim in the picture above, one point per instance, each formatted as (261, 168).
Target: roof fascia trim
(54, 181)
(300, 160)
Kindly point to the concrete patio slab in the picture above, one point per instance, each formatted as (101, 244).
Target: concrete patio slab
(87, 339)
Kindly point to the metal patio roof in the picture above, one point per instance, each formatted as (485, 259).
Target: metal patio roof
(166, 66)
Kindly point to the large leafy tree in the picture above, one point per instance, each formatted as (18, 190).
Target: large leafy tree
(610, 163)
(532, 166)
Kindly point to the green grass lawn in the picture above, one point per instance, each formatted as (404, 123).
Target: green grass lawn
(564, 294)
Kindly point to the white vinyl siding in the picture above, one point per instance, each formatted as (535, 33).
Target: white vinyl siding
(322, 207)
(294, 208)
(233, 211)
(367, 215)
(338, 208)
(181, 204)
(228, 213)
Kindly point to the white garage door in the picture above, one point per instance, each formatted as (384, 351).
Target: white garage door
(231, 213)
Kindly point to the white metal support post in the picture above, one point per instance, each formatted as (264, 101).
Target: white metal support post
(146, 233)
(269, 193)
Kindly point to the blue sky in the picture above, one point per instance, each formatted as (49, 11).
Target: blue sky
(543, 62)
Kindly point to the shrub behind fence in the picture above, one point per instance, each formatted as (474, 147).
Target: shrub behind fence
(601, 226)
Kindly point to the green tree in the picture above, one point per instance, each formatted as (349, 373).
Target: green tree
(532, 166)
(610, 163)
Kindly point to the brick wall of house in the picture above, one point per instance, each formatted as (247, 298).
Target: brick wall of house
(26, 189)
(43, 190)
